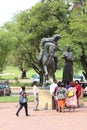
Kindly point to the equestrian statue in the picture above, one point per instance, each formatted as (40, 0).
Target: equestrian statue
(47, 57)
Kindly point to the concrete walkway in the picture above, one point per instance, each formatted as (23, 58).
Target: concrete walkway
(41, 120)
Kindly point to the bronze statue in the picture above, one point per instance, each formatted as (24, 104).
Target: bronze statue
(68, 65)
(47, 57)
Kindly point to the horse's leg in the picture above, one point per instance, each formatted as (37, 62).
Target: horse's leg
(53, 76)
(43, 85)
(45, 70)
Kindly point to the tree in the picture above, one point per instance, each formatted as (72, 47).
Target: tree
(78, 26)
(6, 44)
(43, 20)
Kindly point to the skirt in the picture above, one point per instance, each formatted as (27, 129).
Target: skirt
(61, 103)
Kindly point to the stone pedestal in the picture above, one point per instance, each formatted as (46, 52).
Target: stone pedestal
(45, 99)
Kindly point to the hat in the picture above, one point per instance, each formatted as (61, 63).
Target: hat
(56, 36)
(72, 84)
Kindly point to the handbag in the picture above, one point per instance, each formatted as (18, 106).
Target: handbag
(70, 93)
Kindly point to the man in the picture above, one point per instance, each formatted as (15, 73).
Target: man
(52, 88)
(36, 95)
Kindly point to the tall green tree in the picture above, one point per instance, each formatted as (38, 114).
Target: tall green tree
(78, 26)
(43, 20)
(6, 45)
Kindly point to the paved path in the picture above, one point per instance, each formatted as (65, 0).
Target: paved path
(42, 120)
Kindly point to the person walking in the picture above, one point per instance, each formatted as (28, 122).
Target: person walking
(23, 102)
(36, 95)
(61, 95)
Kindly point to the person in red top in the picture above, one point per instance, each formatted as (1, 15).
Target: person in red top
(78, 91)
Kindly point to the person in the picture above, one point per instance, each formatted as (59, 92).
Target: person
(61, 95)
(68, 65)
(78, 91)
(55, 90)
(81, 80)
(52, 88)
(67, 85)
(23, 102)
(71, 102)
(36, 95)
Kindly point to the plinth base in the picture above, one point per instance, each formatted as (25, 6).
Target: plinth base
(45, 99)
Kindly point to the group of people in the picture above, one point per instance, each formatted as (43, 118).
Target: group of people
(65, 95)
(23, 99)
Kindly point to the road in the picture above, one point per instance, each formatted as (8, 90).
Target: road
(42, 119)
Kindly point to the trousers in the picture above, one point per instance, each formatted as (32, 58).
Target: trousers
(21, 106)
(36, 102)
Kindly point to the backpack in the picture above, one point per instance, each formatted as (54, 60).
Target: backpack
(22, 97)
(70, 93)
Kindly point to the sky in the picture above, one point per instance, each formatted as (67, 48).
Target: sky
(10, 7)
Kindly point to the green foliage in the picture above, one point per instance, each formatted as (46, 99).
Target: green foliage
(10, 72)
(20, 38)
(85, 99)
(78, 27)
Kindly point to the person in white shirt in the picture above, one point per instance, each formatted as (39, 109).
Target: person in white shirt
(52, 88)
(36, 95)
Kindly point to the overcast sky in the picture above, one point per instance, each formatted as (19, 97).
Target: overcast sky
(10, 7)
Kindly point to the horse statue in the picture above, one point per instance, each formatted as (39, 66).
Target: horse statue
(47, 57)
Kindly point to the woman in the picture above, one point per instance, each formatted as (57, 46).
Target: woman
(78, 91)
(71, 101)
(23, 102)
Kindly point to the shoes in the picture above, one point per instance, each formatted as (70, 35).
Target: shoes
(36, 109)
(17, 114)
(27, 115)
(56, 109)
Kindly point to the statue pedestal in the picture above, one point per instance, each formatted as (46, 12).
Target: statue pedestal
(45, 99)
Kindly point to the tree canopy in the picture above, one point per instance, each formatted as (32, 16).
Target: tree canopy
(20, 38)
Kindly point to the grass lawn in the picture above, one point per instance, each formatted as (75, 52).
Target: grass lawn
(85, 99)
(10, 72)
(16, 99)
(13, 99)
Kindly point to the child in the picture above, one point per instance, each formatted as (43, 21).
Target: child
(61, 95)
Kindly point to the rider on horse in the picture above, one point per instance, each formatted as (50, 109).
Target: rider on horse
(47, 45)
